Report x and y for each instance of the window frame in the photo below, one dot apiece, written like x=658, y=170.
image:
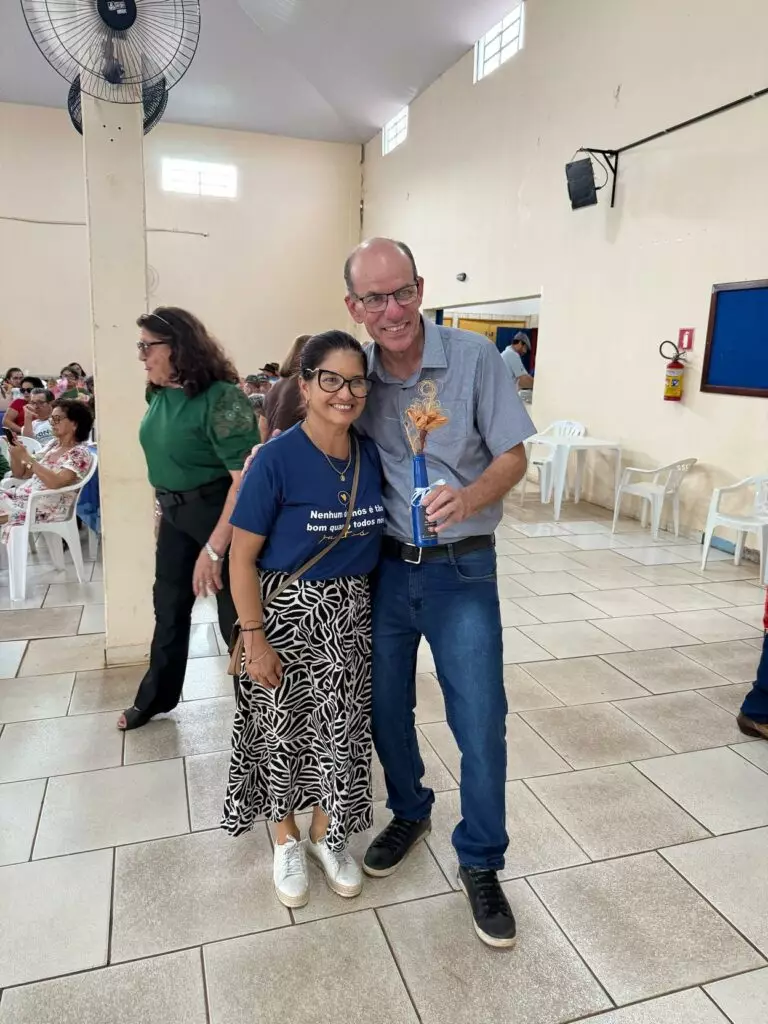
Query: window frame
x=395, y=131
x=503, y=42
x=204, y=178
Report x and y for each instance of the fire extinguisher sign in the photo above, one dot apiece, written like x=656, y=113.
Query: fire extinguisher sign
x=685, y=338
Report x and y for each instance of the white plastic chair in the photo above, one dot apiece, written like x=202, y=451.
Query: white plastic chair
x=543, y=458
x=757, y=522
x=664, y=483
x=53, y=532
x=33, y=446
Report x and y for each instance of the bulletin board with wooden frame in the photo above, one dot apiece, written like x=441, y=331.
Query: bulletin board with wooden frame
x=736, y=352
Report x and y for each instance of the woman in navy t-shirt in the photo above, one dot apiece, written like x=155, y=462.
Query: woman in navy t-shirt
x=302, y=727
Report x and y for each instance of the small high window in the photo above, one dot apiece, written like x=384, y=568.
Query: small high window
x=394, y=132
x=195, y=178
x=500, y=43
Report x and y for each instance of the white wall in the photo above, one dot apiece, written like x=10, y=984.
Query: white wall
x=269, y=268
x=511, y=308
x=479, y=187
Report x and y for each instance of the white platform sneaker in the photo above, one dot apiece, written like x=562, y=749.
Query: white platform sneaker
x=342, y=872
x=290, y=873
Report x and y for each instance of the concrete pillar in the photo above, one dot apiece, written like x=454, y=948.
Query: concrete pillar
x=114, y=181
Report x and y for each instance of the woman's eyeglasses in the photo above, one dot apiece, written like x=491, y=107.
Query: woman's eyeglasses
x=331, y=382
x=145, y=346
x=376, y=302
x=26, y=391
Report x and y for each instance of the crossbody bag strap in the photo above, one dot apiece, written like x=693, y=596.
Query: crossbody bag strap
x=340, y=536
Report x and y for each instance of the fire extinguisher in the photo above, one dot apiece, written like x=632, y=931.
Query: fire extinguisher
x=673, y=380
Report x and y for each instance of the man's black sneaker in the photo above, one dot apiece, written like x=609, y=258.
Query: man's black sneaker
x=389, y=848
x=491, y=913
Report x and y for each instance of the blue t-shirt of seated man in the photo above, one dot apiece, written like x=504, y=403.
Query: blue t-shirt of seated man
x=293, y=497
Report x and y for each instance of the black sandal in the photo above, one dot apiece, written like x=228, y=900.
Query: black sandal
x=134, y=719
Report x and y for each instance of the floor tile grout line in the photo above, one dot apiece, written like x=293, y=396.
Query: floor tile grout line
x=570, y=942
x=21, y=659
x=37, y=823
x=720, y=913
x=563, y=756
x=665, y=995
x=436, y=859
x=109, y=711
x=745, y=758
x=186, y=792
x=375, y=909
x=111, y=919
x=711, y=998
x=555, y=818
x=397, y=963
x=636, y=764
x=206, y=996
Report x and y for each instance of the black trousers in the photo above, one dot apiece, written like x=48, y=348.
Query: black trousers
x=184, y=530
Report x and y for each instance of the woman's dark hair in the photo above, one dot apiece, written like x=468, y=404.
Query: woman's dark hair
x=10, y=370
x=77, y=368
x=67, y=369
x=196, y=357
x=320, y=346
x=34, y=381
x=78, y=413
x=291, y=363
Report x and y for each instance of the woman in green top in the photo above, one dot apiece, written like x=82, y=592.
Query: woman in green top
x=196, y=433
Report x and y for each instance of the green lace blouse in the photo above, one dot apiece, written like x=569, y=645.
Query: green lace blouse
x=189, y=442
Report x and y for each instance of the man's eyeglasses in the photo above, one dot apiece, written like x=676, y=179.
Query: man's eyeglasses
x=376, y=302
x=145, y=346
x=331, y=382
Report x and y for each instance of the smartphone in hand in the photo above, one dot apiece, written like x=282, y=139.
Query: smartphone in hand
x=9, y=435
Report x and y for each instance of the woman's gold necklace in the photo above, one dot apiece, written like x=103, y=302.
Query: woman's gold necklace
x=343, y=472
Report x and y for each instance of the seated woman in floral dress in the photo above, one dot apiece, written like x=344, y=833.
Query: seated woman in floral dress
x=62, y=462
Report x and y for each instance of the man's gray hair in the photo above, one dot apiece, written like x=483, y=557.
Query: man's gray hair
x=49, y=395
x=522, y=338
x=401, y=246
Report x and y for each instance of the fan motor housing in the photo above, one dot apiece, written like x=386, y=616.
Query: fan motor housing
x=119, y=15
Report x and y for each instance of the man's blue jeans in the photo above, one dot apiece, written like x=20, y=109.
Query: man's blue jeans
x=454, y=604
x=755, y=704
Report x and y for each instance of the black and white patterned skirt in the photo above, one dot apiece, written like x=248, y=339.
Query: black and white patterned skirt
x=308, y=742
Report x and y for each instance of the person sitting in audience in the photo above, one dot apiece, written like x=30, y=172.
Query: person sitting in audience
x=257, y=384
x=15, y=413
x=62, y=462
x=71, y=383
x=37, y=416
x=272, y=371
x=9, y=383
x=284, y=404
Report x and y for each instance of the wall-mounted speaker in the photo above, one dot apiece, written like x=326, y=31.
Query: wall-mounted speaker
x=581, y=183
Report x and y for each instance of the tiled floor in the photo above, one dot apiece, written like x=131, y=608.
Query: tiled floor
x=637, y=813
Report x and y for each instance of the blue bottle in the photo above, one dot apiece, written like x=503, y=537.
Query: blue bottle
x=424, y=533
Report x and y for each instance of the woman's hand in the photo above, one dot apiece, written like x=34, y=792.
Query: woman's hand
x=206, y=579
x=251, y=457
x=263, y=664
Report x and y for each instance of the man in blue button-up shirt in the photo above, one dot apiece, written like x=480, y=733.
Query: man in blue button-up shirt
x=448, y=593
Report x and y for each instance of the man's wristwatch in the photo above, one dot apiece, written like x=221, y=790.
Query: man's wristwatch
x=214, y=557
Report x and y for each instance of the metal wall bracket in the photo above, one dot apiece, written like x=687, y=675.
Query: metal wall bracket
x=611, y=157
